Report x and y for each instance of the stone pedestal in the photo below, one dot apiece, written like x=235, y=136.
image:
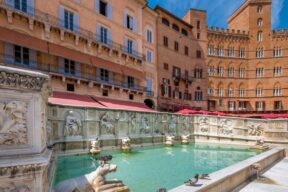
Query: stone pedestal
x=24, y=158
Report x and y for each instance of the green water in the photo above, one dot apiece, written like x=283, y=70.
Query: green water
x=148, y=169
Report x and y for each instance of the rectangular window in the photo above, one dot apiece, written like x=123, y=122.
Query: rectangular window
x=176, y=46
x=241, y=92
x=198, y=24
x=231, y=52
x=198, y=35
x=21, y=5
x=242, y=72
x=130, y=46
x=68, y=20
x=130, y=81
x=210, y=50
x=131, y=97
x=165, y=41
x=230, y=72
x=149, y=36
x=103, y=35
x=129, y=22
x=260, y=105
x=220, y=51
x=69, y=66
x=70, y=87
x=277, y=105
x=176, y=72
x=231, y=105
x=103, y=8
x=198, y=54
x=242, y=105
x=104, y=75
x=149, y=56
x=186, y=50
x=220, y=71
x=21, y=55
x=242, y=53
x=211, y=71
x=105, y=93
x=277, y=71
x=166, y=66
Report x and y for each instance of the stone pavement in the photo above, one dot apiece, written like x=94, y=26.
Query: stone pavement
x=273, y=180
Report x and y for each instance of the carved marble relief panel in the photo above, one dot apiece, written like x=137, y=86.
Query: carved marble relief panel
x=13, y=122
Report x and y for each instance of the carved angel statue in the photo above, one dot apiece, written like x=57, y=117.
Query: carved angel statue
x=73, y=125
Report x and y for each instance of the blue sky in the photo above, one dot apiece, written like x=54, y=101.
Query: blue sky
x=219, y=10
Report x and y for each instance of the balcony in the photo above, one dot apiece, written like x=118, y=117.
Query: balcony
x=188, y=79
x=51, y=21
x=75, y=75
x=176, y=77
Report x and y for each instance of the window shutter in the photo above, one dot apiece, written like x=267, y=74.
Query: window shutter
x=109, y=37
x=125, y=19
x=78, y=69
x=98, y=33
x=109, y=11
x=30, y=8
x=162, y=90
x=149, y=86
x=180, y=95
x=126, y=44
x=126, y=81
x=76, y=22
x=61, y=16
x=9, y=53
x=10, y=3
x=110, y=77
x=134, y=24
x=169, y=91
x=134, y=47
x=97, y=6
x=61, y=65
x=98, y=74
x=33, y=58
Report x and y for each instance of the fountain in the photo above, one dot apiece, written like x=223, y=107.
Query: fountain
x=185, y=139
x=169, y=140
x=260, y=145
x=95, y=149
x=126, y=144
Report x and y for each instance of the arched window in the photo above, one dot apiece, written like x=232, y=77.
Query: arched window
x=220, y=90
x=210, y=50
x=149, y=35
x=259, y=22
x=175, y=27
x=259, y=90
x=230, y=90
x=259, y=36
x=277, y=90
x=231, y=71
x=165, y=22
x=241, y=90
x=259, y=9
x=211, y=89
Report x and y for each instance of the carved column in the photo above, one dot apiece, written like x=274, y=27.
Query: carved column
x=24, y=157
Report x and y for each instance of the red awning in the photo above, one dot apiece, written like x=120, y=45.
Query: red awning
x=70, y=99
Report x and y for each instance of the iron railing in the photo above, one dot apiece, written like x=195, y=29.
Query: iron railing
x=9, y=60
x=77, y=30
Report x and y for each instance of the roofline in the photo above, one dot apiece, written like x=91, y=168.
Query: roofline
x=172, y=15
x=201, y=10
x=244, y=5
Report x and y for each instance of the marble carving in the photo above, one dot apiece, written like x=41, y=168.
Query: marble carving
x=13, y=123
x=73, y=125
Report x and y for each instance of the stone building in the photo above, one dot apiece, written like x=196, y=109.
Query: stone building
x=247, y=64
x=102, y=48
x=182, y=73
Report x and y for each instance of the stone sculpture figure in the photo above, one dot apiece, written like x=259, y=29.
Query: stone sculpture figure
x=126, y=144
x=106, y=123
x=186, y=125
x=225, y=127
x=172, y=125
x=13, y=128
x=94, y=181
x=204, y=124
x=73, y=125
x=255, y=130
x=144, y=127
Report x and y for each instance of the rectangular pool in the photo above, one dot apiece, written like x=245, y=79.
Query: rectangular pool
x=148, y=169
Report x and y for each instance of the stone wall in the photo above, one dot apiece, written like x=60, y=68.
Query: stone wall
x=23, y=156
x=73, y=128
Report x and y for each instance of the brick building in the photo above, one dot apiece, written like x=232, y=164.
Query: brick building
x=182, y=73
x=247, y=64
